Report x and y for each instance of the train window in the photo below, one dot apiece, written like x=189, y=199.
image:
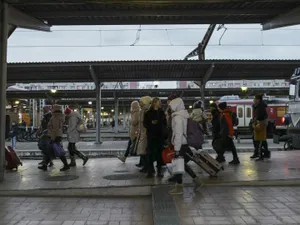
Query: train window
x=240, y=112
x=249, y=113
x=281, y=111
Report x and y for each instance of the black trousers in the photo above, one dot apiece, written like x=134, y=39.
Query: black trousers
x=73, y=151
x=155, y=147
x=226, y=145
x=183, y=152
x=261, y=148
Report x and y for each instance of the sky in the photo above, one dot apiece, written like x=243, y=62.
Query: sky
x=152, y=42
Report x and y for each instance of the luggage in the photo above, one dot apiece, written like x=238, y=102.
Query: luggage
x=206, y=162
x=195, y=134
x=12, y=159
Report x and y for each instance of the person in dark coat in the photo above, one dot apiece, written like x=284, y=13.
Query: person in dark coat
x=260, y=123
x=155, y=122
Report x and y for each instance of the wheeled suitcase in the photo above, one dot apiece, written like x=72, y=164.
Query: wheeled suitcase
x=12, y=159
x=206, y=162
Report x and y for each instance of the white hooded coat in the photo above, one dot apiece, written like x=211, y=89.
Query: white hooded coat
x=179, y=123
x=73, y=134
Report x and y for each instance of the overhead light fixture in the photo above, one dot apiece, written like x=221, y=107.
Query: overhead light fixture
x=120, y=113
x=190, y=106
x=112, y=110
x=17, y=102
x=53, y=91
x=244, y=88
x=211, y=102
x=90, y=103
x=102, y=107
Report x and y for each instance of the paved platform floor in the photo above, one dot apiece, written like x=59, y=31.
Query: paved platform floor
x=75, y=211
x=283, y=166
x=243, y=206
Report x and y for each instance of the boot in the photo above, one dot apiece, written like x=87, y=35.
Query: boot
x=85, y=159
x=51, y=164
x=254, y=156
x=159, y=174
x=65, y=162
x=73, y=161
x=234, y=162
x=178, y=190
x=43, y=167
x=42, y=162
x=122, y=158
x=198, y=182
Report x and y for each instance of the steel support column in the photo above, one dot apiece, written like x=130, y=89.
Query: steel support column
x=124, y=117
x=202, y=89
x=3, y=80
x=116, y=114
x=98, y=114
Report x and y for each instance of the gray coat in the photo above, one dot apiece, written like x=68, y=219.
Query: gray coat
x=73, y=134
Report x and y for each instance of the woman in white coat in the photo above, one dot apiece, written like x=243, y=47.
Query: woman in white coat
x=179, y=128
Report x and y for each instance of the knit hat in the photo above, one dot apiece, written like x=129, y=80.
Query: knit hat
x=172, y=97
x=197, y=105
x=222, y=105
x=68, y=111
x=56, y=108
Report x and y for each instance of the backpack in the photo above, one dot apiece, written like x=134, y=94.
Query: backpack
x=235, y=120
x=195, y=134
x=81, y=127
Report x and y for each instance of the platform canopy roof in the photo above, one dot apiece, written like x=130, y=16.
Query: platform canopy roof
x=117, y=12
x=167, y=70
x=138, y=93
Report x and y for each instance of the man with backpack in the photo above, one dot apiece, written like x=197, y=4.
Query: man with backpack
x=227, y=132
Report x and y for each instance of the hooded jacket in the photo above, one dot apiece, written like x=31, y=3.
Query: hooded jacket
x=198, y=115
x=260, y=111
x=142, y=132
x=179, y=123
x=55, y=125
x=135, y=113
x=73, y=134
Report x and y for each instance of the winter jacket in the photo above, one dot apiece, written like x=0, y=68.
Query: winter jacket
x=179, y=123
x=260, y=130
x=216, y=128
x=135, y=113
x=141, y=147
x=260, y=111
x=55, y=125
x=73, y=134
x=155, y=123
x=226, y=126
x=198, y=116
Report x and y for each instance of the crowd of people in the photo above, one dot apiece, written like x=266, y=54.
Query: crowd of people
x=53, y=125
x=153, y=129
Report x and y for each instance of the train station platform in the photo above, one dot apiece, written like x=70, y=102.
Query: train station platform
x=107, y=191
x=113, y=148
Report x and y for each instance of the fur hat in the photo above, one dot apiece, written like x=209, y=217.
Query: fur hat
x=56, y=108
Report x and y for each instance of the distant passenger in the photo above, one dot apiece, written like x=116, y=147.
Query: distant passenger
x=199, y=116
x=260, y=123
x=55, y=131
x=73, y=135
x=227, y=132
x=134, y=125
x=44, y=126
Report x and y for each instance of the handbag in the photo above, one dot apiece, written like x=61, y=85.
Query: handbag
x=81, y=127
x=168, y=154
x=58, y=150
x=178, y=166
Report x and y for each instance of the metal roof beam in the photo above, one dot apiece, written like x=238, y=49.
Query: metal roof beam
x=93, y=75
x=200, y=50
x=288, y=19
x=20, y=19
x=208, y=74
x=11, y=29
x=156, y=12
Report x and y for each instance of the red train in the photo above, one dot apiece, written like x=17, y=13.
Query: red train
x=277, y=108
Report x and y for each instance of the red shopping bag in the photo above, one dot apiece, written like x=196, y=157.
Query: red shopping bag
x=168, y=154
